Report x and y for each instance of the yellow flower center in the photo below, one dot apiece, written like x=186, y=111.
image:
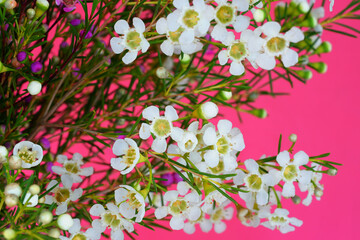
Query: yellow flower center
x=133, y=40
x=225, y=14
x=79, y=236
x=162, y=127
x=222, y=145
x=191, y=18
x=174, y=36
x=254, y=182
x=27, y=155
x=276, y=44
x=238, y=51
x=178, y=206
x=290, y=172
x=72, y=167
x=111, y=220
x=61, y=195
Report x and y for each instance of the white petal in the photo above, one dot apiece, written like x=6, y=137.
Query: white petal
x=229, y=38
x=283, y=158
x=112, y=207
x=150, y=113
x=67, y=181
x=219, y=227
x=211, y=158
x=159, y=145
x=144, y=45
x=121, y=26
x=239, y=178
x=177, y=223
x=252, y=166
x=120, y=147
x=271, y=28
x=193, y=197
x=286, y=228
x=87, y=171
x=288, y=190
x=199, y=4
x=289, y=58
x=172, y=20
x=116, y=45
x=170, y=113
x=161, y=212
x=230, y=163
x=76, y=194
x=193, y=127
x=75, y=227
x=301, y=158
x=62, y=208
x=194, y=213
x=183, y=188
x=224, y=126
x=243, y=5
x=179, y=4
x=210, y=136
x=189, y=228
x=129, y=57
x=118, y=164
x=161, y=26
x=139, y=25
x=167, y=48
x=219, y=33
x=296, y=222
x=58, y=170
x=97, y=225
x=97, y=210
x=126, y=210
x=117, y=234
x=266, y=61
x=241, y=23
x=262, y=197
x=187, y=37
x=206, y=225
x=236, y=68
x=294, y=35
x=237, y=140
x=121, y=194
x=223, y=57
x=144, y=131
x=272, y=178
x=51, y=184
x=170, y=195
x=305, y=177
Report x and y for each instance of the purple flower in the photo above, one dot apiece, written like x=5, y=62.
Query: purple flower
x=169, y=177
x=36, y=67
x=21, y=56
x=75, y=22
x=45, y=142
x=64, y=45
x=177, y=178
x=68, y=5
x=88, y=34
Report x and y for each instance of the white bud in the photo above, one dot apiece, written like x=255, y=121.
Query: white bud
x=65, y=221
x=185, y=58
x=55, y=233
x=318, y=192
x=9, y=233
x=15, y=162
x=10, y=4
x=161, y=72
x=3, y=154
x=13, y=188
x=225, y=95
x=293, y=138
x=42, y=200
x=296, y=199
x=332, y=172
x=304, y=7
x=34, y=87
x=207, y=110
x=259, y=15
x=11, y=200
x=30, y=13
x=34, y=189
x=45, y=217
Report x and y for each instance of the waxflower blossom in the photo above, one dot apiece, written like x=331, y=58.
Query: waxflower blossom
x=128, y=153
x=30, y=154
x=132, y=39
x=76, y=233
x=313, y=185
x=131, y=203
x=218, y=214
x=280, y=220
x=161, y=127
x=71, y=170
x=68, y=5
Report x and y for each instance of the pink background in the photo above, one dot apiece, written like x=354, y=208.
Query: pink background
x=324, y=114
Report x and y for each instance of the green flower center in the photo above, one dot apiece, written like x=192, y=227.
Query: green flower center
x=191, y=18
x=133, y=40
x=225, y=14
x=189, y=144
x=133, y=201
x=111, y=220
x=174, y=36
x=178, y=206
x=238, y=51
x=218, y=169
x=79, y=236
x=72, y=167
x=276, y=44
x=61, y=195
x=254, y=182
x=290, y=172
x=27, y=155
x=130, y=156
x=278, y=220
x=162, y=127
x=222, y=145
x=217, y=215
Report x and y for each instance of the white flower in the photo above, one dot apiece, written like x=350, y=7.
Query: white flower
x=181, y=207
x=315, y=183
x=161, y=127
x=131, y=203
x=225, y=144
x=110, y=218
x=187, y=140
x=277, y=44
x=245, y=4
x=71, y=170
x=129, y=154
x=215, y=197
x=239, y=50
x=3, y=154
x=280, y=220
x=218, y=214
x=31, y=154
x=256, y=183
x=77, y=234
x=291, y=172
x=31, y=200
x=225, y=15
x=195, y=20
x=205, y=225
x=62, y=196
x=172, y=44
x=132, y=39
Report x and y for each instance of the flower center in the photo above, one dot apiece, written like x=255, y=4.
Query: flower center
x=290, y=172
x=79, y=236
x=61, y=195
x=276, y=44
x=222, y=145
x=217, y=215
x=162, y=127
x=27, y=155
x=191, y=18
x=133, y=201
x=133, y=40
x=111, y=220
x=225, y=14
x=174, y=36
x=130, y=156
x=178, y=206
x=218, y=169
x=238, y=51
x=254, y=182
x=278, y=220
x=72, y=167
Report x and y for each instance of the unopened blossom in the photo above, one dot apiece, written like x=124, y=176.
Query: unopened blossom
x=62, y=195
x=277, y=44
x=280, y=220
x=131, y=203
x=77, y=234
x=30, y=153
x=72, y=170
x=182, y=205
x=291, y=172
x=194, y=20
x=132, y=39
x=160, y=126
x=109, y=218
x=128, y=153
x=68, y=5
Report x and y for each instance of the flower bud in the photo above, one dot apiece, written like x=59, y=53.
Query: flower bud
x=9, y=233
x=11, y=200
x=309, y=22
x=206, y=111
x=3, y=154
x=21, y=57
x=320, y=67
x=325, y=47
x=10, y=4
x=45, y=217
x=185, y=58
x=260, y=113
x=41, y=7
x=331, y=172
x=13, y=188
x=65, y=221
x=259, y=15
x=305, y=74
x=161, y=72
x=293, y=138
x=303, y=7
x=225, y=95
x=56, y=60
x=75, y=22
x=296, y=199
x=34, y=87
x=42, y=200
x=36, y=67
x=303, y=60
x=55, y=233
x=253, y=96
x=15, y=162
x=318, y=192
x=30, y=13
x=34, y=189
